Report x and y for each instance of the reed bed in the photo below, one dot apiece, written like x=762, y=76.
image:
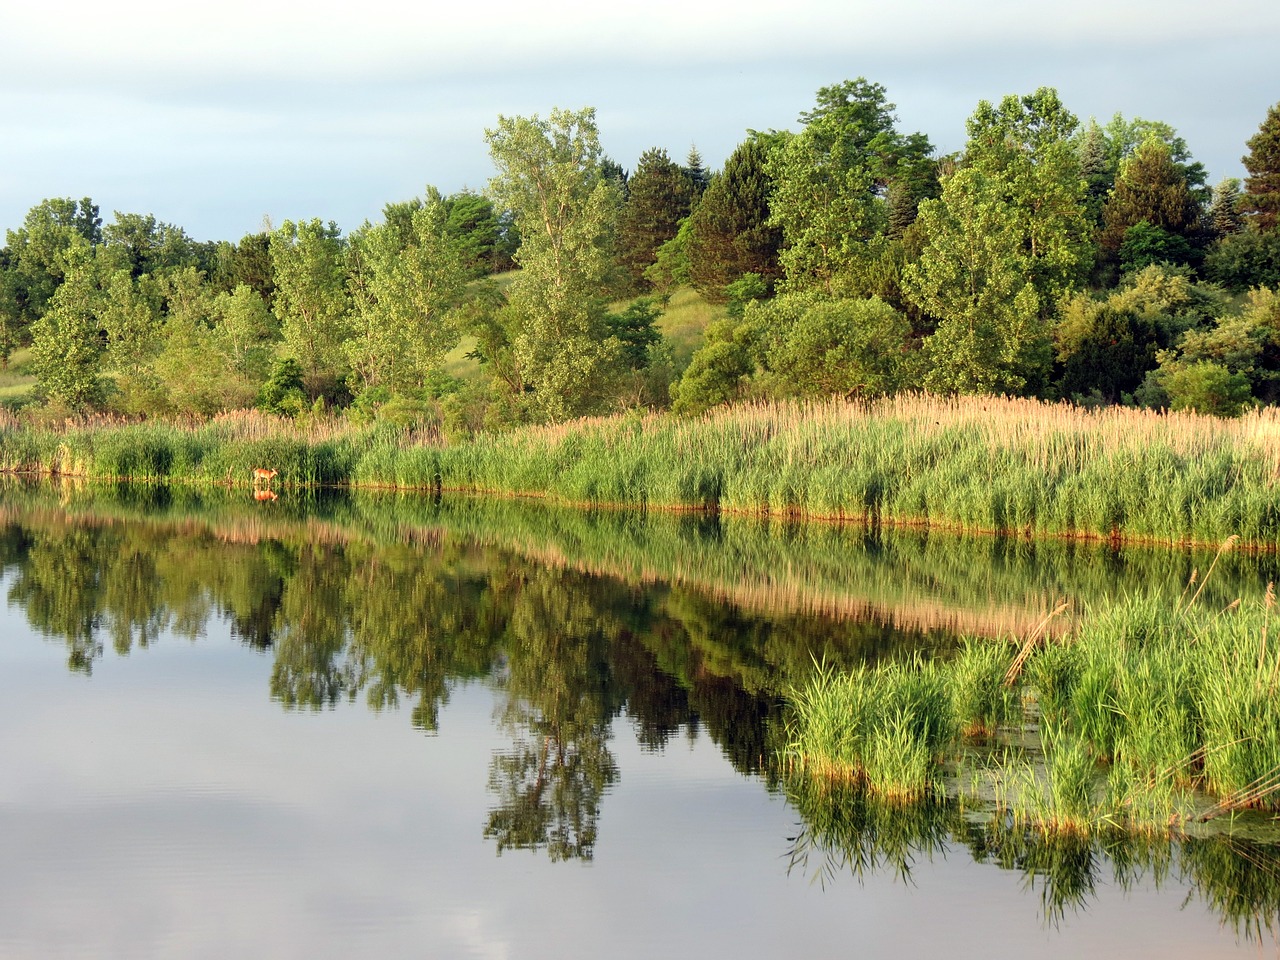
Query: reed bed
x=1154, y=712
x=973, y=464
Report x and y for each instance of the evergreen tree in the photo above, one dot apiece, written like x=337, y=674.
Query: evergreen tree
x=699, y=176
x=659, y=198
x=1096, y=169
x=730, y=233
x=1261, y=201
x=1224, y=212
x=1151, y=189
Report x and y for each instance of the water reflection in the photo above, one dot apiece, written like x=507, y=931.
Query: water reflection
x=846, y=832
x=583, y=621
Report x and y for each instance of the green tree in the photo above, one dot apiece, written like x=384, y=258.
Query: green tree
x=482, y=236
x=857, y=348
x=309, y=270
x=1124, y=137
x=1224, y=213
x=660, y=195
x=245, y=331
x=1004, y=243
x=132, y=317
x=731, y=232
x=831, y=180
x=1261, y=202
x=67, y=345
x=699, y=177
x=549, y=176
x=141, y=244
x=405, y=280
x=1150, y=189
x=284, y=392
x=1245, y=259
x=37, y=249
x=1095, y=167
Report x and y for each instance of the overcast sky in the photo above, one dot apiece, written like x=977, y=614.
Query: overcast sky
x=214, y=115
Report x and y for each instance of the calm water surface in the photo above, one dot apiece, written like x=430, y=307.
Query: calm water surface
x=347, y=729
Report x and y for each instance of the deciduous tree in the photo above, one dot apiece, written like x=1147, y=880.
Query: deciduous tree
x=1004, y=243
x=549, y=176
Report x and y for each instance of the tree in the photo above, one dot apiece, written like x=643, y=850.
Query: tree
x=481, y=235
x=132, y=317
x=309, y=269
x=1245, y=259
x=850, y=347
x=1149, y=189
x=698, y=176
x=66, y=346
x=405, y=279
x=37, y=249
x=831, y=180
x=1261, y=203
x=141, y=244
x=1095, y=167
x=1124, y=137
x=245, y=331
x=659, y=197
x=1224, y=212
x=730, y=232
x=1004, y=243
x=549, y=177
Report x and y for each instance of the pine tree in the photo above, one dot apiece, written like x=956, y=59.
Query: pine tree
x=1262, y=187
x=698, y=175
x=1150, y=188
x=1095, y=166
x=659, y=197
x=729, y=232
x=1224, y=212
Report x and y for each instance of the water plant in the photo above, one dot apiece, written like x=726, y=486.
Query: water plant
x=974, y=464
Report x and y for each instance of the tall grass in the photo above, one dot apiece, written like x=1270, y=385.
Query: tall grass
x=1012, y=466
x=1154, y=711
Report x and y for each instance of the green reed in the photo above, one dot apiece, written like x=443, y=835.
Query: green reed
x=1153, y=712
x=979, y=464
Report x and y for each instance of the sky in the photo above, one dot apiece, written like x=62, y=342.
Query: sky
x=216, y=116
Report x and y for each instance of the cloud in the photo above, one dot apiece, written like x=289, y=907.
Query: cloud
x=213, y=115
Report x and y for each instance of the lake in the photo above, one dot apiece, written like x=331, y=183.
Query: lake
x=379, y=725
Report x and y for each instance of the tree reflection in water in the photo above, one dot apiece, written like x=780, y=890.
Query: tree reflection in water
x=846, y=831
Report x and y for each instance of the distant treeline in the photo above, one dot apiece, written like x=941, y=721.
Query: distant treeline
x=1050, y=258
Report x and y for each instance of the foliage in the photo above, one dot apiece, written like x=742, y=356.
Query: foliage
x=308, y=264
x=829, y=182
x=1150, y=190
x=66, y=346
x=1245, y=259
x=855, y=348
x=284, y=392
x=730, y=233
x=659, y=197
x=1261, y=200
x=1006, y=240
x=405, y=279
x=549, y=176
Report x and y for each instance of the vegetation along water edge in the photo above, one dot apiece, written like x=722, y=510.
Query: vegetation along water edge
x=976, y=464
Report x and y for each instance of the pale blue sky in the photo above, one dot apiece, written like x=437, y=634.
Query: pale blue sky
x=214, y=115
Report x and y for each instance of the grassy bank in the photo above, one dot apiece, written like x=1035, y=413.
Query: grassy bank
x=972, y=464
x=1154, y=712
